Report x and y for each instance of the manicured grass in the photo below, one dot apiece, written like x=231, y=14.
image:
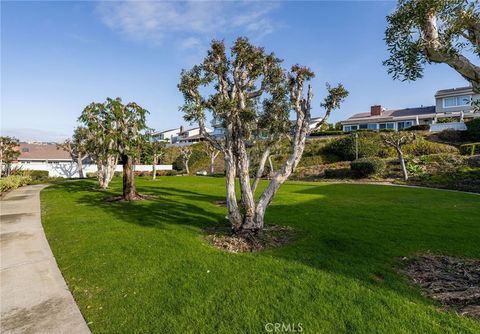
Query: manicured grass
x=144, y=267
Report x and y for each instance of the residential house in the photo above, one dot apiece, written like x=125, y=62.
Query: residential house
x=450, y=103
x=168, y=136
x=191, y=136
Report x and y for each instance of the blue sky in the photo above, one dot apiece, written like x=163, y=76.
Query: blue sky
x=57, y=57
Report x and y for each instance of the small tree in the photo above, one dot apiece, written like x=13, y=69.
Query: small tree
x=252, y=98
x=155, y=150
x=433, y=31
x=397, y=140
x=212, y=152
x=122, y=130
x=77, y=147
x=8, y=152
x=185, y=154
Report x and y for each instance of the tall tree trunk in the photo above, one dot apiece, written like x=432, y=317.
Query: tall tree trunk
x=234, y=215
x=261, y=167
x=129, y=189
x=80, y=166
x=154, y=168
x=247, y=199
x=1, y=168
x=270, y=164
x=402, y=164
x=185, y=163
x=212, y=164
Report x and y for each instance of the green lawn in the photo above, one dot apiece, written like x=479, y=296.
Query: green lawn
x=144, y=267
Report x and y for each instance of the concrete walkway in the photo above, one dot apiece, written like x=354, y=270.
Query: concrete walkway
x=34, y=295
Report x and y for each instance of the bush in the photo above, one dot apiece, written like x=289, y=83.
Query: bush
x=38, y=175
x=450, y=135
x=365, y=167
x=369, y=145
x=171, y=172
x=13, y=181
x=327, y=133
x=421, y=127
x=474, y=161
x=473, y=129
x=424, y=147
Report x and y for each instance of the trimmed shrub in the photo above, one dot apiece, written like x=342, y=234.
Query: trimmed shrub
x=424, y=147
x=450, y=135
x=365, y=167
x=38, y=175
x=171, y=172
x=473, y=129
x=369, y=145
x=326, y=133
x=13, y=181
x=421, y=127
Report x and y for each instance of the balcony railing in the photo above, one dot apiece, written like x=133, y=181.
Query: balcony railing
x=460, y=126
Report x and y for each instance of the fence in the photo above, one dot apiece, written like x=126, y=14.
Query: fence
x=70, y=169
x=437, y=127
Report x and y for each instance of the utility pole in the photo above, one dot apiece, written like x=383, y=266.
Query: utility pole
x=356, y=146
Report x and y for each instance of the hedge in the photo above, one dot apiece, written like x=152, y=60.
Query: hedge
x=473, y=129
x=365, y=167
x=13, y=182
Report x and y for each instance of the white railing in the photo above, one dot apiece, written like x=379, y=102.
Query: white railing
x=70, y=169
x=460, y=126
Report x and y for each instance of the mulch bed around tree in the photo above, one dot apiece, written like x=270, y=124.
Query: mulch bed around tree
x=272, y=236
x=454, y=282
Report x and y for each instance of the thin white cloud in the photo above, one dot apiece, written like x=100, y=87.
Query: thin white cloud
x=156, y=22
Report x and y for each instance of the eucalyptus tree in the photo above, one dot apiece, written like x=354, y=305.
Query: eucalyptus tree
x=397, y=140
x=212, y=152
x=252, y=97
x=185, y=154
x=434, y=31
x=9, y=151
x=77, y=147
x=155, y=149
x=120, y=130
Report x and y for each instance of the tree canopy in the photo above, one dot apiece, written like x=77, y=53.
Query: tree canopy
x=434, y=31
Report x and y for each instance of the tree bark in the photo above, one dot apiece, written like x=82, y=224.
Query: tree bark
x=234, y=215
x=436, y=52
x=185, y=163
x=129, y=189
x=154, y=168
x=80, y=166
x=261, y=168
x=402, y=164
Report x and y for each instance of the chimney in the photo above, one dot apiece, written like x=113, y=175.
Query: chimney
x=376, y=110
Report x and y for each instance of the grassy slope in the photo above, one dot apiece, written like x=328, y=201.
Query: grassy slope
x=144, y=267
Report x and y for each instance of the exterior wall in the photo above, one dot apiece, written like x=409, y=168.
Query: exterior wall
x=376, y=125
x=70, y=169
x=439, y=102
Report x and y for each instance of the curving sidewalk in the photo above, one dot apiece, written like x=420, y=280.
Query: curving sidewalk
x=34, y=297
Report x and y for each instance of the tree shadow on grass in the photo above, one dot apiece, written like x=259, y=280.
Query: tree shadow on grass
x=357, y=231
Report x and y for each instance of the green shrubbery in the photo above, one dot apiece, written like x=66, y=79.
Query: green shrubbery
x=365, y=167
x=421, y=127
x=369, y=145
x=14, y=181
x=470, y=149
x=424, y=147
x=473, y=129
x=327, y=133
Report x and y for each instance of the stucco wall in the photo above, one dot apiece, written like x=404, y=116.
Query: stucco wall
x=70, y=169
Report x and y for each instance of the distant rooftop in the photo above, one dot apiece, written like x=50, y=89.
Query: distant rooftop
x=419, y=111
x=453, y=90
x=42, y=152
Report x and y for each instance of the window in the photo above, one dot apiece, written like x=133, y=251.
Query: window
x=383, y=126
x=456, y=101
x=372, y=126
x=363, y=126
x=404, y=125
x=25, y=149
x=349, y=128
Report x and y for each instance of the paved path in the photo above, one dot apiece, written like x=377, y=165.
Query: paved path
x=34, y=296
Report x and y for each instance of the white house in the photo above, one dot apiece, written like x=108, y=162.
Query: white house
x=450, y=103
x=58, y=163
